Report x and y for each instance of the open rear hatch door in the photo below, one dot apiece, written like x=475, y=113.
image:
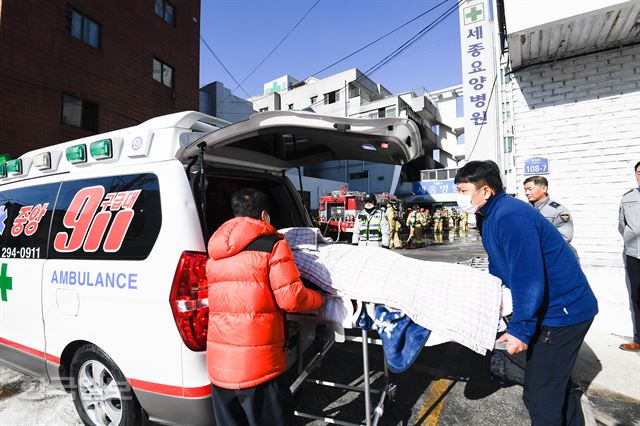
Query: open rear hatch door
x=280, y=140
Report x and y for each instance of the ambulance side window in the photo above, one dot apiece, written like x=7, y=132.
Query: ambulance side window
x=25, y=215
x=110, y=218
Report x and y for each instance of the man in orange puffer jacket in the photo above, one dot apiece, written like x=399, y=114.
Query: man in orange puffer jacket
x=253, y=280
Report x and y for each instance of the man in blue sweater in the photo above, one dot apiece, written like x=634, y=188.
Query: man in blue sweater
x=553, y=305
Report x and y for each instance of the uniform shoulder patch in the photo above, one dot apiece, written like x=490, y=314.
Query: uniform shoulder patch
x=565, y=217
x=554, y=204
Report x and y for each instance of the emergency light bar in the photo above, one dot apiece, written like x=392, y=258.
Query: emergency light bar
x=76, y=154
x=14, y=167
x=101, y=149
x=42, y=161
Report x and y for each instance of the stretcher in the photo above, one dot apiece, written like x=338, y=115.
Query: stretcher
x=386, y=392
x=375, y=398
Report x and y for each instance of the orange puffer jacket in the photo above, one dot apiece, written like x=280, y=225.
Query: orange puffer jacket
x=252, y=281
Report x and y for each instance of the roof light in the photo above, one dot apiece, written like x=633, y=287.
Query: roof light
x=14, y=167
x=3, y=170
x=368, y=147
x=42, y=161
x=77, y=154
x=101, y=149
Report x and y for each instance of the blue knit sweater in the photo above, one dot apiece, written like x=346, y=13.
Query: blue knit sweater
x=530, y=256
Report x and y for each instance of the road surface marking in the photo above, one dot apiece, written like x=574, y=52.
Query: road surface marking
x=430, y=410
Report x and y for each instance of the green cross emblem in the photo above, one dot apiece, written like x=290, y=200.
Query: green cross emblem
x=474, y=14
x=275, y=87
x=5, y=282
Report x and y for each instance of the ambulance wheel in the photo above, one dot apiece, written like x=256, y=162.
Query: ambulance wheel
x=101, y=394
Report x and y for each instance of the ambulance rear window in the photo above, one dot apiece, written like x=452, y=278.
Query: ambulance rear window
x=111, y=218
x=25, y=215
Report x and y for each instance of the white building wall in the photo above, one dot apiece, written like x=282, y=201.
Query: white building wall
x=583, y=114
x=316, y=187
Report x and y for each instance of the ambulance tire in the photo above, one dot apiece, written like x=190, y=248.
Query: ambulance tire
x=107, y=398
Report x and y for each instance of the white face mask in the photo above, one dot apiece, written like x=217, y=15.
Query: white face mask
x=464, y=202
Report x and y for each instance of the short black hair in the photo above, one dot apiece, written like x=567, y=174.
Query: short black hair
x=537, y=180
x=249, y=202
x=636, y=166
x=480, y=173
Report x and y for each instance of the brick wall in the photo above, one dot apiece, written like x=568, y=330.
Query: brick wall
x=40, y=60
x=583, y=114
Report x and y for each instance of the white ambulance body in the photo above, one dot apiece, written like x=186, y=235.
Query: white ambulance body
x=103, y=247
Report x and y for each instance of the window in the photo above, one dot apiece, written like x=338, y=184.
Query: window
x=508, y=144
x=166, y=11
x=382, y=113
x=26, y=216
x=331, y=97
x=162, y=73
x=391, y=112
x=441, y=174
x=290, y=106
x=79, y=113
x=128, y=207
x=83, y=28
x=263, y=109
x=313, y=99
x=360, y=175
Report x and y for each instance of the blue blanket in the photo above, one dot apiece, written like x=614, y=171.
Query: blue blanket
x=402, y=339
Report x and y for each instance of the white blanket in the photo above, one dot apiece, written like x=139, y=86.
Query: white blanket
x=455, y=301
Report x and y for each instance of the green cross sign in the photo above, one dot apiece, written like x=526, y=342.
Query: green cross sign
x=5, y=282
x=275, y=87
x=474, y=14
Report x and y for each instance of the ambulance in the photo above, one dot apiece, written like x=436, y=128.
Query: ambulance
x=103, y=248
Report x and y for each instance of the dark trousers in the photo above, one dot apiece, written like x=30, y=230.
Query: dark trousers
x=633, y=272
x=268, y=404
x=548, y=390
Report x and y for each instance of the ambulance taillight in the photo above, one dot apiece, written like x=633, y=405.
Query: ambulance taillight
x=189, y=299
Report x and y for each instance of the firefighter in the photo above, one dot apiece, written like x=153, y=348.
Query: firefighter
x=393, y=217
x=455, y=217
x=445, y=220
x=421, y=226
x=427, y=218
x=371, y=227
x=464, y=220
x=437, y=222
x=412, y=221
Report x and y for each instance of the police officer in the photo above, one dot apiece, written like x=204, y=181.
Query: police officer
x=371, y=227
x=629, y=227
x=535, y=188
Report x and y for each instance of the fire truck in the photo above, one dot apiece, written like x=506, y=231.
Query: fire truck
x=338, y=211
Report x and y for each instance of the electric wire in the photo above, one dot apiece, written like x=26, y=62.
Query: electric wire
x=271, y=52
x=222, y=65
x=378, y=39
x=404, y=46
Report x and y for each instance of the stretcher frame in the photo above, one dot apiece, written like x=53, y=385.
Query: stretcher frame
x=387, y=391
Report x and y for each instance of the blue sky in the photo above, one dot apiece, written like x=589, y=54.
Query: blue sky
x=242, y=32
